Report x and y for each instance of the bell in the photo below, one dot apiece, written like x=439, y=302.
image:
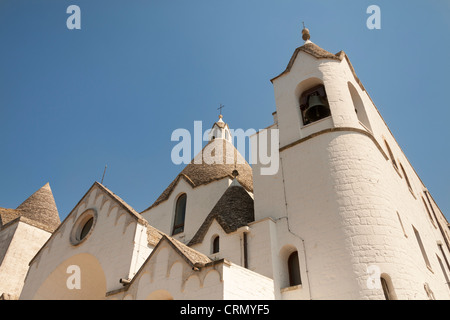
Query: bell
x=316, y=109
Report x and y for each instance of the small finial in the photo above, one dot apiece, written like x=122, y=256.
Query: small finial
x=235, y=173
x=305, y=33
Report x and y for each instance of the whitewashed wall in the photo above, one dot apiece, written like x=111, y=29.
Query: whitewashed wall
x=341, y=195
x=167, y=276
x=19, y=242
x=199, y=203
x=104, y=257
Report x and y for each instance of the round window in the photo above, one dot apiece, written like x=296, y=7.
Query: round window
x=86, y=228
x=83, y=227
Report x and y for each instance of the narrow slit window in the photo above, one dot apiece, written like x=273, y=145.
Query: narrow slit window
x=391, y=155
x=294, y=270
x=447, y=280
x=406, y=177
x=359, y=107
x=401, y=224
x=180, y=213
x=443, y=254
x=422, y=248
x=428, y=211
x=216, y=245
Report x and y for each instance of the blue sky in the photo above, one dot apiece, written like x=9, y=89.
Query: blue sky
x=73, y=101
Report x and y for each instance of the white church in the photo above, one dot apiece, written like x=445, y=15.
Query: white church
x=344, y=217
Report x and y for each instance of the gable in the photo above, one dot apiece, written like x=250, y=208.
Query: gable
x=313, y=50
x=114, y=239
x=103, y=202
x=191, y=257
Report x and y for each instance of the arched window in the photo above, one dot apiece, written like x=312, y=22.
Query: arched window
x=314, y=104
x=391, y=155
x=215, y=245
x=359, y=107
x=294, y=269
x=387, y=288
x=401, y=224
x=180, y=212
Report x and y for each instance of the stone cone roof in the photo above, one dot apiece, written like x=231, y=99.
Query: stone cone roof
x=203, y=170
x=8, y=215
x=41, y=207
x=234, y=209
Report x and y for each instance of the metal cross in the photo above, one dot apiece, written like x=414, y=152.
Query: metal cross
x=220, y=108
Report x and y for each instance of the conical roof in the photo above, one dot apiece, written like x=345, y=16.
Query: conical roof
x=41, y=207
x=218, y=159
x=234, y=209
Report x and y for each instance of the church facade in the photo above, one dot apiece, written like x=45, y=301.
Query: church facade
x=345, y=216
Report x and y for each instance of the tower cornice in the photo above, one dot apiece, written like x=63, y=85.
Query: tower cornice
x=338, y=129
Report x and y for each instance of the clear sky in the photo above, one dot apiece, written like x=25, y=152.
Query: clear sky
x=112, y=93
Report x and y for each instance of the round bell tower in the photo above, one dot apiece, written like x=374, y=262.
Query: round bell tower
x=337, y=199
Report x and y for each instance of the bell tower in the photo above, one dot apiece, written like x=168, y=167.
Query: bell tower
x=319, y=90
x=338, y=197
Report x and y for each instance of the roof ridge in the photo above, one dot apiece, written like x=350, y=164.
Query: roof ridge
x=154, y=235
x=318, y=52
x=194, y=257
x=314, y=50
x=120, y=200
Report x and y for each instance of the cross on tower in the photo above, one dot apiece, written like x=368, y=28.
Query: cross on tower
x=220, y=108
